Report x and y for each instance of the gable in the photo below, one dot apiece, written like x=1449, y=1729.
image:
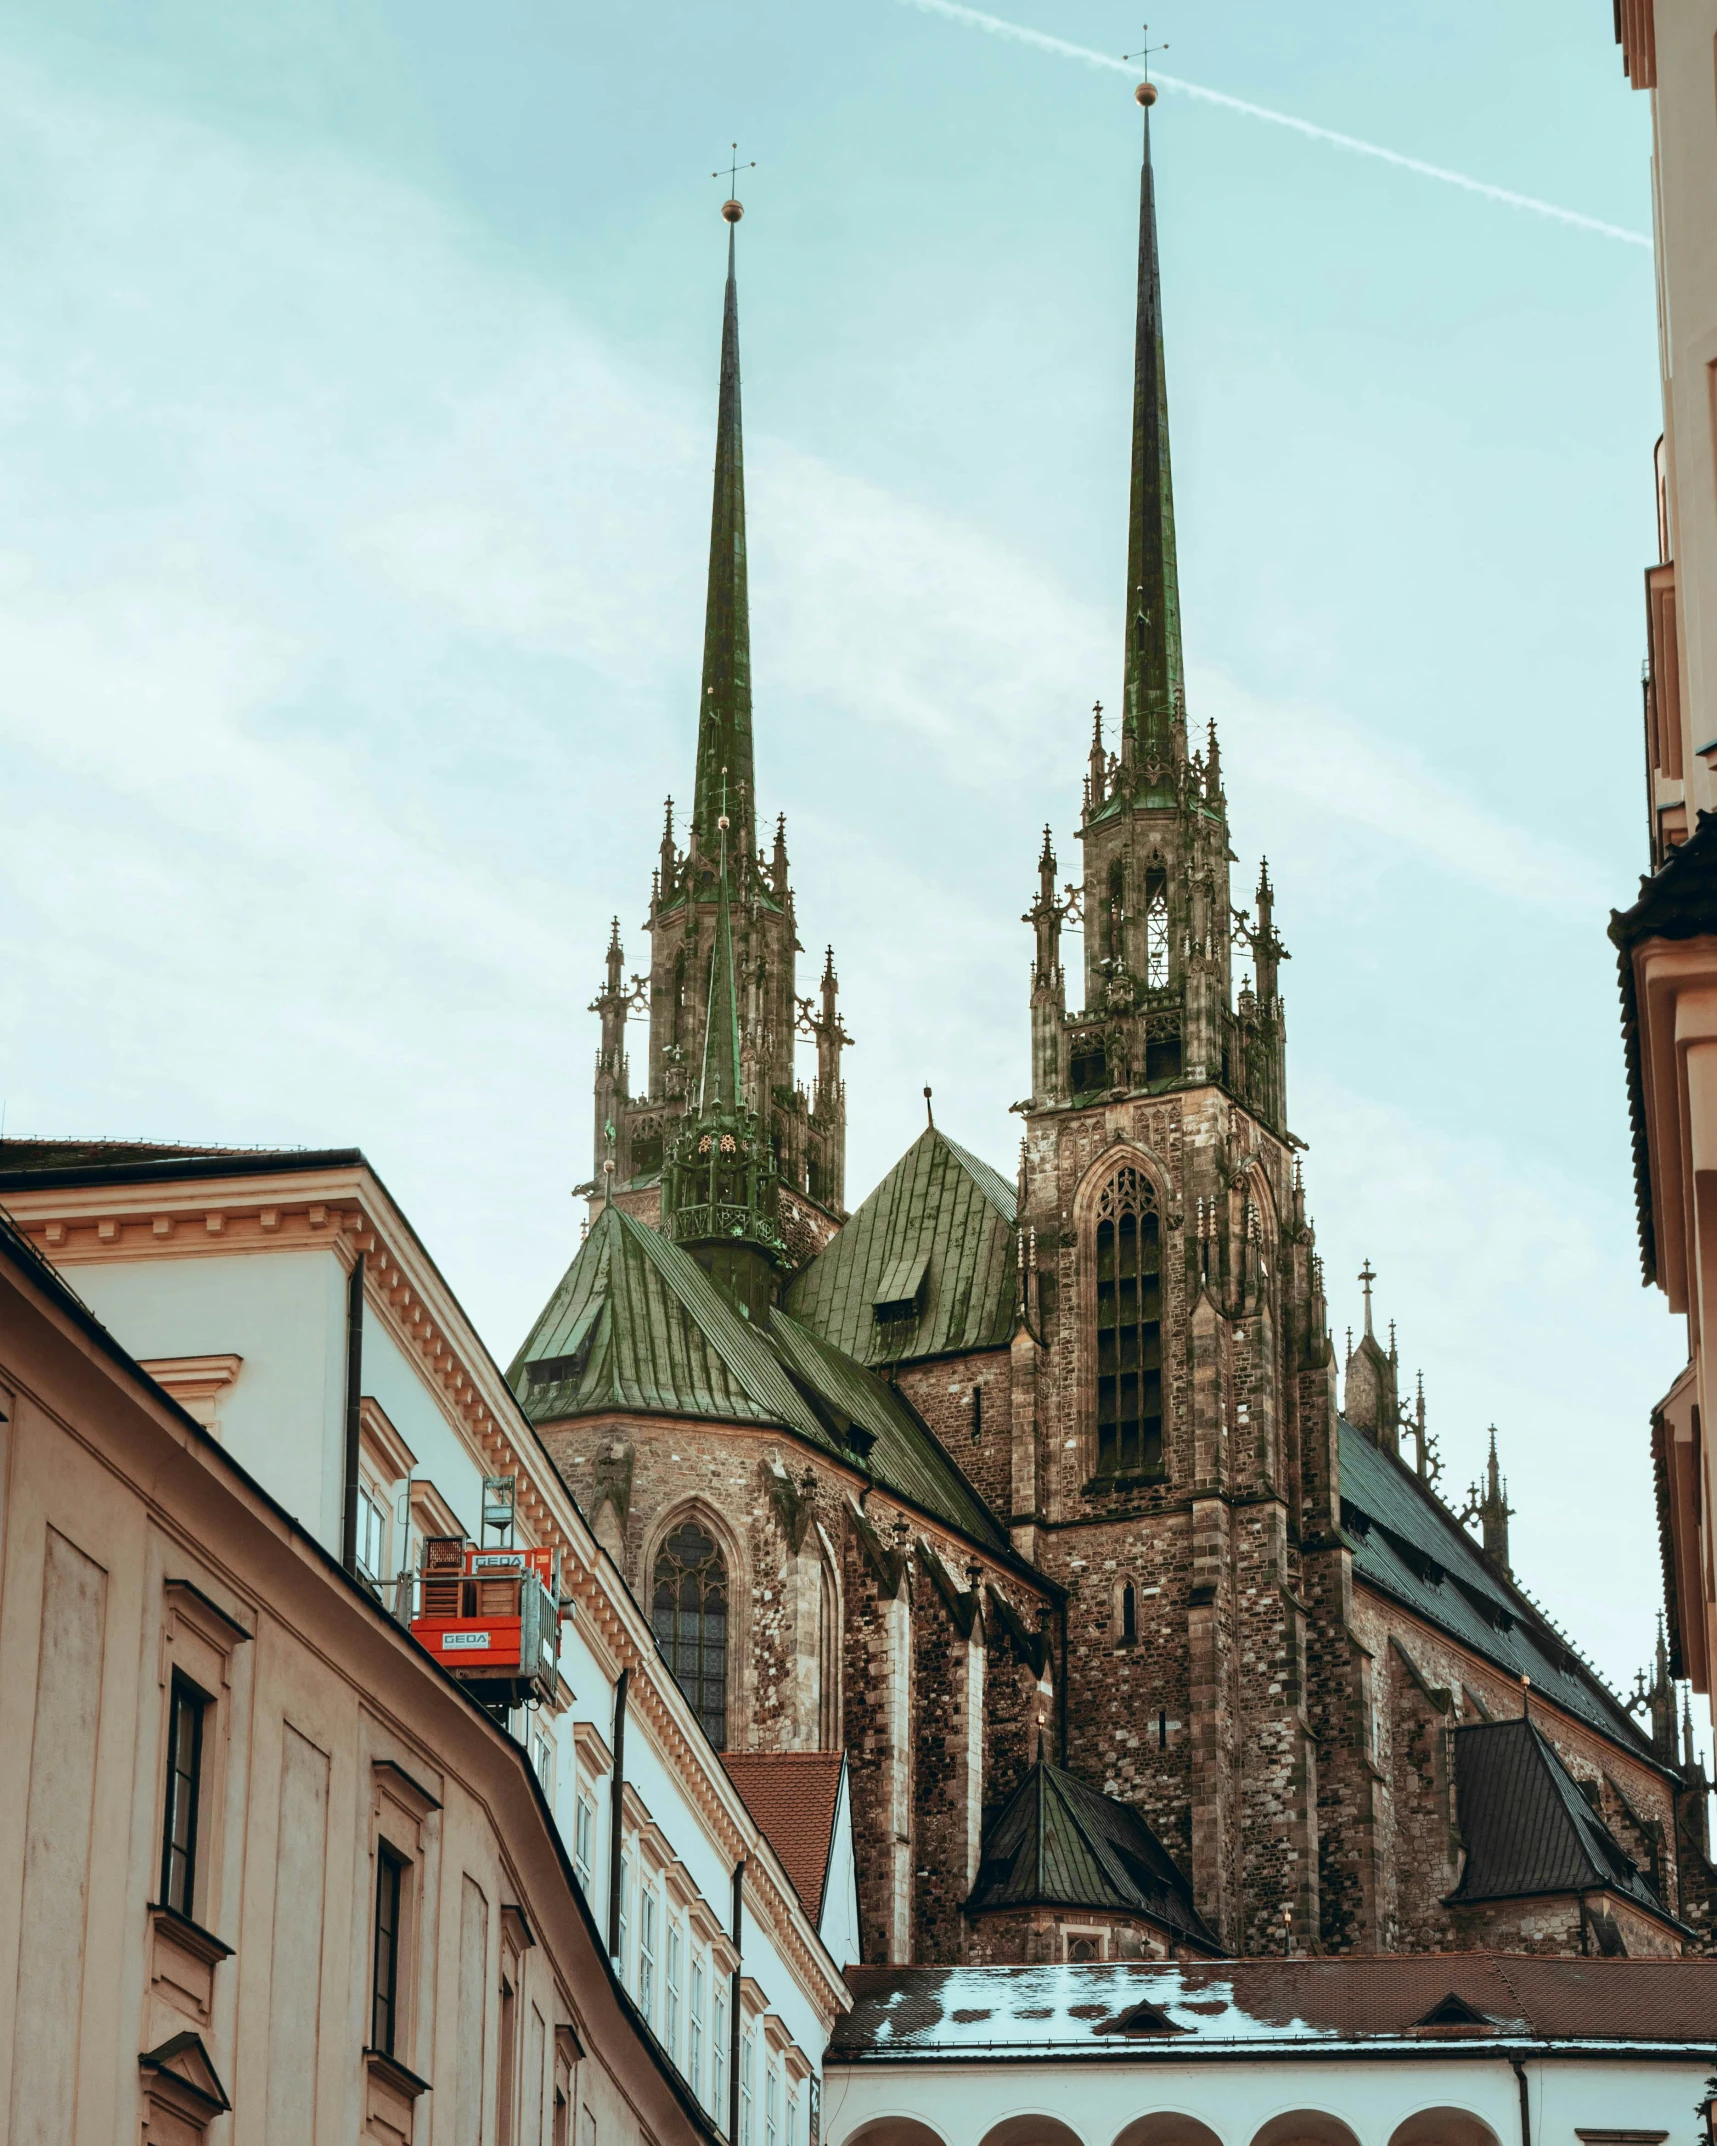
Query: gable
x=924, y=1267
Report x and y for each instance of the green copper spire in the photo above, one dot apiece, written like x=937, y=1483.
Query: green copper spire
x=724, y=708
x=1155, y=683
x=718, y=1090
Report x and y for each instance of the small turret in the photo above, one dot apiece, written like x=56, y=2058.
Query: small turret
x=1488, y=1505
x=612, y=1004
x=1370, y=1399
x=720, y=1191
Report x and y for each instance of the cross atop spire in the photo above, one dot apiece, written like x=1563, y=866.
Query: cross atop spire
x=724, y=704
x=1367, y=1275
x=1155, y=686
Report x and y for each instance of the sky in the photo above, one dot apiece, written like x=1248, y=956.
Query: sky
x=357, y=382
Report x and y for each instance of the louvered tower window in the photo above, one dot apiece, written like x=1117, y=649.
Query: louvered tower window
x=1156, y=929
x=689, y=1612
x=1129, y=1329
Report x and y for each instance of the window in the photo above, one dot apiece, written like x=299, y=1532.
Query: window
x=694, y=2032
x=718, y=2058
x=1090, y=1068
x=747, y=2080
x=372, y=1533
x=583, y=1841
x=1129, y=1614
x=384, y=1985
x=542, y=1758
x=647, y=1954
x=793, y=2114
x=689, y=1613
x=771, y=2106
x=671, y=1996
x=977, y=1414
x=1129, y=1329
x=186, y=1707
x=1156, y=929
x=624, y=1956
x=1084, y=1945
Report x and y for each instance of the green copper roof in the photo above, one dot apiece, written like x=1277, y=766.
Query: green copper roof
x=1057, y=1842
x=941, y=1215
x=1154, y=674
x=724, y=703
x=637, y=1324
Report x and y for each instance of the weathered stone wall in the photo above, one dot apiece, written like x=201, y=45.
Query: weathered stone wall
x=940, y=1710
x=1041, y=1936
x=942, y=1394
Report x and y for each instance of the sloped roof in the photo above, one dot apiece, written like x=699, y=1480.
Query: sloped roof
x=793, y=1795
x=637, y=1324
x=1409, y=1545
x=941, y=1204
x=1071, y=2013
x=1057, y=1842
x=1526, y=1826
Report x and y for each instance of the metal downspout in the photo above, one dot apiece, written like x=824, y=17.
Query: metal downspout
x=354, y=1415
x=1525, y=2101
x=615, y=1819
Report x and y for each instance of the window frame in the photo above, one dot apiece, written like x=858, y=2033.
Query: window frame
x=710, y=1695
x=394, y=1866
x=1125, y=1399
x=185, y=1699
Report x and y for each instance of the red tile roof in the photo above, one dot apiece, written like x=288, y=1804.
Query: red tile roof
x=1060, y=2012
x=792, y=1795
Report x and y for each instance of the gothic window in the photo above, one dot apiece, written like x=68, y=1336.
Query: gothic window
x=1115, y=912
x=1156, y=928
x=828, y=1659
x=1090, y=1069
x=1129, y=1614
x=677, y=999
x=689, y=1612
x=1129, y=1328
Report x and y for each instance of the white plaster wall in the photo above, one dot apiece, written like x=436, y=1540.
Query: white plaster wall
x=962, y=2102
x=840, y=1925
x=285, y=1314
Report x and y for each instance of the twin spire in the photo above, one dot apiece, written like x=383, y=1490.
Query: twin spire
x=1154, y=704
x=724, y=707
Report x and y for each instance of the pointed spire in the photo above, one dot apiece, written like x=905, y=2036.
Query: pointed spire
x=719, y=1086
x=724, y=707
x=1155, y=687
x=1367, y=1275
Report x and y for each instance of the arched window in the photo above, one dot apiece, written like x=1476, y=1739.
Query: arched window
x=828, y=1659
x=689, y=1611
x=1129, y=1312
x=1156, y=929
x=1129, y=1614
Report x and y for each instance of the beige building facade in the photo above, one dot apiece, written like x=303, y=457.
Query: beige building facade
x=266, y=1871
x=1667, y=941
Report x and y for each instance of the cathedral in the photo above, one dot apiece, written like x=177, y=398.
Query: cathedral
x=1045, y=1495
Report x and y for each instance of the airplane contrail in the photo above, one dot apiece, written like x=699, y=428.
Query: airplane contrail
x=975, y=19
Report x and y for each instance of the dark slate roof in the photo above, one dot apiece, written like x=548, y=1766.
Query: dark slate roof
x=1526, y=1827
x=637, y=1324
x=1407, y=1544
x=1102, y=2013
x=26, y=1164
x=1677, y=901
x=1057, y=1842
x=941, y=1204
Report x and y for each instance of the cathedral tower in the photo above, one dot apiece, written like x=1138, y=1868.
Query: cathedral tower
x=722, y=873
x=1183, y=1445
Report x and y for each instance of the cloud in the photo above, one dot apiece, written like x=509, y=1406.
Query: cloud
x=350, y=595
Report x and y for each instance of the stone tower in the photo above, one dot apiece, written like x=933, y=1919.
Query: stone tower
x=1177, y=1463
x=805, y=1129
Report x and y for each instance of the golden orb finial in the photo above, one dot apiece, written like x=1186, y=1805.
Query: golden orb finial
x=1146, y=93
x=732, y=211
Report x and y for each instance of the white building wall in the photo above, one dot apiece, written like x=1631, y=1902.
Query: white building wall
x=1093, y=2104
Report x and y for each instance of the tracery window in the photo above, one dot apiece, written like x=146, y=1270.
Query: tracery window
x=1129, y=1328
x=689, y=1613
x=1156, y=929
